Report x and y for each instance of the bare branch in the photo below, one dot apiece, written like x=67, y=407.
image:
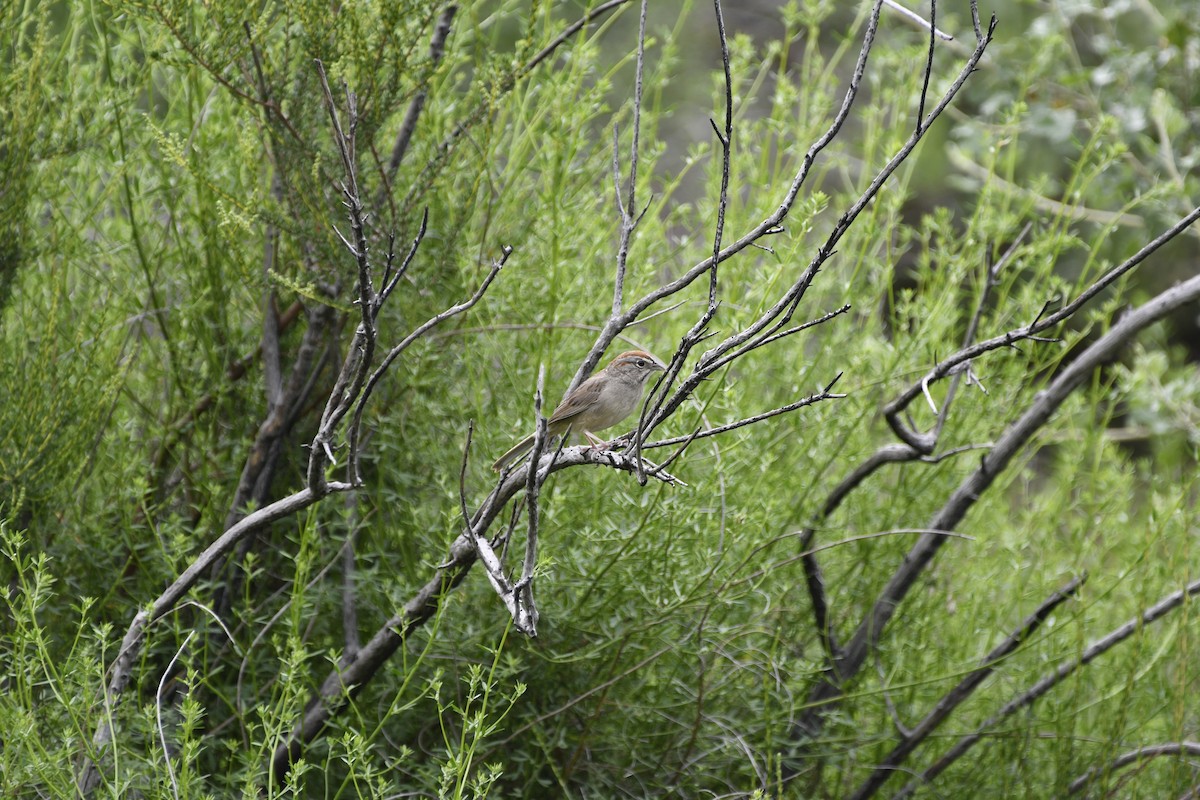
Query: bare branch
x=390, y=281
x=1014, y=438
x=1064, y=670
x=437, y=319
x=824, y=394
x=917, y=18
x=1041, y=322
x=965, y=688
x=1134, y=757
x=928, y=61
x=628, y=222
x=528, y=614
x=361, y=353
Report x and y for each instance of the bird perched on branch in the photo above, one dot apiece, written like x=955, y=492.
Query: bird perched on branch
x=600, y=402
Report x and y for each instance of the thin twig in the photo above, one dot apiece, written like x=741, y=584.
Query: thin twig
x=528, y=610
x=369, y=385
x=824, y=394
x=698, y=332
x=917, y=18
x=928, y=61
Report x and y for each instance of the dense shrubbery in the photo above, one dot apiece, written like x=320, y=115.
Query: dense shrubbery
x=169, y=190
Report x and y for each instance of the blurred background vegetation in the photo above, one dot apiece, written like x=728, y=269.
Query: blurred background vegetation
x=151, y=153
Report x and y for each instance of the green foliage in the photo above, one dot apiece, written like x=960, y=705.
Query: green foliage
x=154, y=152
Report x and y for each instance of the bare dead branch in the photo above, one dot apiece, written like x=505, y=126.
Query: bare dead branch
x=1014, y=438
x=773, y=337
x=1041, y=323
x=1137, y=756
x=825, y=394
x=915, y=17
x=528, y=614
x=360, y=355
x=780, y=312
x=928, y=60
x=1064, y=670
x=390, y=281
x=964, y=689
x=369, y=386
x=698, y=332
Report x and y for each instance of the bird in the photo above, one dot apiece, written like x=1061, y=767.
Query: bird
x=600, y=402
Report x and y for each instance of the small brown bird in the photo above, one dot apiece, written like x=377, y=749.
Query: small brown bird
x=600, y=402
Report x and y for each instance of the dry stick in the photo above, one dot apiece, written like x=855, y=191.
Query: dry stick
x=518, y=597
x=387, y=287
x=254, y=483
x=914, y=17
x=1063, y=671
x=370, y=383
x=626, y=210
x=825, y=394
x=1015, y=437
x=349, y=384
x=1134, y=757
x=693, y=337
x=1043, y=322
x=956, y=696
x=527, y=613
x=698, y=332
x=928, y=60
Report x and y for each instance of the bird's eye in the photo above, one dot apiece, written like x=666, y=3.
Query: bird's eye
x=641, y=362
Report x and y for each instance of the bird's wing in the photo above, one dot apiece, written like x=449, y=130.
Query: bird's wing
x=579, y=401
